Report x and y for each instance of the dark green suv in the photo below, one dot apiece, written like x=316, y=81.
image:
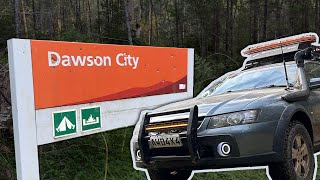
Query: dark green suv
x=265, y=113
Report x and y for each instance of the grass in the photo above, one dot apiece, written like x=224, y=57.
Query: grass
x=233, y=175
x=85, y=159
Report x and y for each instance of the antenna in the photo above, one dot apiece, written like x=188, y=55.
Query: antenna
x=285, y=67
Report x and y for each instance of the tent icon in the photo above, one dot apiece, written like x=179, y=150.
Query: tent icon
x=65, y=123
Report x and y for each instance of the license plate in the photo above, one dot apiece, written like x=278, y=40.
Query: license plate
x=162, y=141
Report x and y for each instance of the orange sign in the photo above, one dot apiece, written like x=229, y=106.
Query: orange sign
x=67, y=73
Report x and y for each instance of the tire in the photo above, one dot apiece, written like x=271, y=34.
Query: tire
x=298, y=159
x=166, y=174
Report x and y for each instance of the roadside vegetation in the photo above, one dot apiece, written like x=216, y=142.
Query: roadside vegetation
x=218, y=30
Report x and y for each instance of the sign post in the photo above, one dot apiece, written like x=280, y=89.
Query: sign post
x=64, y=90
x=23, y=110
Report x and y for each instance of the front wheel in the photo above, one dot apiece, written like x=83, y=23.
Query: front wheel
x=298, y=159
x=166, y=174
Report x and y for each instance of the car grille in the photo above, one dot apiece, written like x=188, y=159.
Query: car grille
x=176, y=126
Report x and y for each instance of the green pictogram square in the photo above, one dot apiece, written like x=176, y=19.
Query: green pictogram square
x=64, y=123
x=90, y=118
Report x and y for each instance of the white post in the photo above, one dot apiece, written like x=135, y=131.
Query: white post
x=190, y=72
x=23, y=109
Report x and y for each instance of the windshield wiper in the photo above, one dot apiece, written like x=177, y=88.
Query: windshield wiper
x=272, y=86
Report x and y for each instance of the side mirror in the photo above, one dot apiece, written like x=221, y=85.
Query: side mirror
x=314, y=83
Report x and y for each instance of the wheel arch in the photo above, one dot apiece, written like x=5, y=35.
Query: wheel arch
x=291, y=113
x=304, y=118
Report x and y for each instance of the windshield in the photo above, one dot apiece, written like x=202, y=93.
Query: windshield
x=254, y=79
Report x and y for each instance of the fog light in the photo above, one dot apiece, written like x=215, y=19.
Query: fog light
x=224, y=149
x=138, y=155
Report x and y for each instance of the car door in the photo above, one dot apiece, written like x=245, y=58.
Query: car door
x=312, y=70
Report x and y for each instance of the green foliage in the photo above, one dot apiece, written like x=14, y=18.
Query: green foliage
x=204, y=73
x=74, y=35
x=3, y=56
x=217, y=34
x=6, y=30
x=208, y=69
x=85, y=158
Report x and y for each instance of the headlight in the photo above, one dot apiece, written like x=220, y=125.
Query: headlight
x=232, y=119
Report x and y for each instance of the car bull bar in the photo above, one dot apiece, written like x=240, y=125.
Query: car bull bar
x=191, y=136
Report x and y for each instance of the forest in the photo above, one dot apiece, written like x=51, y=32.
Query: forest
x=218, y=30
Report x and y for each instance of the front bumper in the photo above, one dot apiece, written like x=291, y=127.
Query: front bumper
x=251, y=144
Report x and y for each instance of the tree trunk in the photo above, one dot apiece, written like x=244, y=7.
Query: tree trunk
x=316, y=12
x=99, y=20
x=128, y=22
x=183, y=23
x=137, y=22
x=63, y=16
x=232, y=9
x=150, y=22
x=41, y=16
x=305, y=18
x=156, y=18
x=25, y=25
x=255, y=8
x=265, y=19
x=318, y=15
x=176, y=5
x=204, y=43
x=108, y=15
x=59, y=17
x=78, y=18
x=84, y=15
x=278, y=18
x=227, y=25
x=134, y=12
x=34, y=17
x=216, y=27
x=90, y=17
x=99, y=13
x=87, y=11
x=17, y=17
x=51, y=22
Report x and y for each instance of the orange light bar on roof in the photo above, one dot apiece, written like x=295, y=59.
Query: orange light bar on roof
x=280, y=43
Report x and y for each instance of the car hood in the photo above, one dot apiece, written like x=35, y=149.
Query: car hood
x=228, y=102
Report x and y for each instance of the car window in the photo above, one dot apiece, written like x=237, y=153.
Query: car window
x=312, y=70
x=254, y=79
